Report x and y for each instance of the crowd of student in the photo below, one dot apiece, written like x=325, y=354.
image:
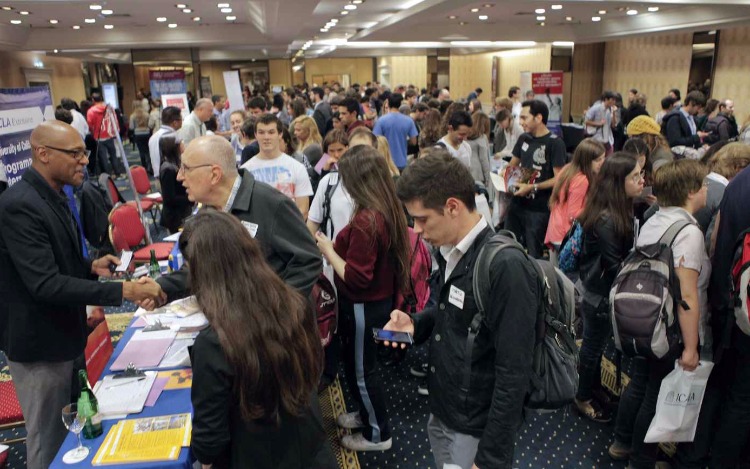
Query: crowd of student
x=346, y=186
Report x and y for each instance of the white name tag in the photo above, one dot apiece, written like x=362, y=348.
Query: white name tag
x=525, y=146
x=456, y=297
x=251, y=228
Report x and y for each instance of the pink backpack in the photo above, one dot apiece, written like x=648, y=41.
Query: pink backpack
x=421, y=268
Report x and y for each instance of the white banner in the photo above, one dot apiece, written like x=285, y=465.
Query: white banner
x=234, y=91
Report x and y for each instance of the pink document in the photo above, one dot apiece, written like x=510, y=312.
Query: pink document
x=144, y=349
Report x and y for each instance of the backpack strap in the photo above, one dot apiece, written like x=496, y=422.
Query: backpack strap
x=669, y=236
x=480, y=284
x=330, y=188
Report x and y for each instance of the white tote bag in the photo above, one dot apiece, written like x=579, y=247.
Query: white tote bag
x=679, y=404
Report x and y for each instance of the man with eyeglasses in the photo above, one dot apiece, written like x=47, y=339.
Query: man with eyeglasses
x=46, y=283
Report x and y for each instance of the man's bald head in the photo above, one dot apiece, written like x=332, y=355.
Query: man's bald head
x=214, y=150
x=55, y=133
x=58, y=154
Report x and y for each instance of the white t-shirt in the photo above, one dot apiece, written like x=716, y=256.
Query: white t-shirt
x=689, y=252
x=342, y=206
x=284, y=173
x=463, y=153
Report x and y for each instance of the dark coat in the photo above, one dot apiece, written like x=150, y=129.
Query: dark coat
x=322, y=116
x=677, y=130
x=602, y=253
x=491, y=408
x=286, y=242
x=45, y=282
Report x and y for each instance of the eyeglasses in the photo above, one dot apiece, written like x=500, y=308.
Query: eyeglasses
x=185, y=168
x=639, y=177
x=77, y=153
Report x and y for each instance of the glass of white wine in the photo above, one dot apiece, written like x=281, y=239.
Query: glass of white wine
x=74, y=422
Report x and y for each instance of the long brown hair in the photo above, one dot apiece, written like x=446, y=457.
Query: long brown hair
x=586, y=152
x=480, y=125
x=365, y=174
x=607, y=197
x=266, y=329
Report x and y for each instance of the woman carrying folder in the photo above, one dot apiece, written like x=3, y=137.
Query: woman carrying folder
x=257, y=365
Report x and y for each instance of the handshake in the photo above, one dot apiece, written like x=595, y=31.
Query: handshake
x=145, y=292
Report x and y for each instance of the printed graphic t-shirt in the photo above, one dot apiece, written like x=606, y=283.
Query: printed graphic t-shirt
x=284, y=173
x=541, y=154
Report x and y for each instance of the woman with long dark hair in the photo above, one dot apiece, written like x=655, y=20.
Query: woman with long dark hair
x=257, y=365
x=607, y=222
x=571, y=188
x=175, y=206
x=371, y=261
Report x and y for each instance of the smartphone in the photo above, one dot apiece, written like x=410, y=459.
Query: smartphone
x=125, y=258
x=392, y=336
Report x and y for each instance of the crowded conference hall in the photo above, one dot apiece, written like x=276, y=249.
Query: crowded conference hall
x=375, y=234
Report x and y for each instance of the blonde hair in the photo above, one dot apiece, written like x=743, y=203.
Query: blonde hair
x=730, y=160
x=307, y=122
x=385, y=150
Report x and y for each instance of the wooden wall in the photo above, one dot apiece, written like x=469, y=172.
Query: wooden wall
x=732, y=70
x=651, y=64
x=280, y=72
x=360, y=70
x=67, y=78
x=588, y=76
x=409, y=70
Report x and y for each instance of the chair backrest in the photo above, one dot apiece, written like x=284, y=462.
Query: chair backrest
x=140, y=179
x=125, y=218
x=114, y=194
x=117, y=239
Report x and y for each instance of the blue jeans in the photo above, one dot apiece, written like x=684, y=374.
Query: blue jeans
x=597, y=328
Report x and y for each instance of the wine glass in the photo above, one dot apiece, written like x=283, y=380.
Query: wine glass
x=74, y=422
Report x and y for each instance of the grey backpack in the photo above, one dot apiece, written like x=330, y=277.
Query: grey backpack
x=644, y=298
x=554, y=374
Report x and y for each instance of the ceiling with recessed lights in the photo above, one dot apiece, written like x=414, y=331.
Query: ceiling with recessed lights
x=331, y=28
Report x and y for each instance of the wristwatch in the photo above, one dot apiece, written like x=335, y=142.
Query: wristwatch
x=536, y=188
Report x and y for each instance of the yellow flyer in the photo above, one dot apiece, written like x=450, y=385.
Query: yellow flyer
x=178, y=379
x=144, y=440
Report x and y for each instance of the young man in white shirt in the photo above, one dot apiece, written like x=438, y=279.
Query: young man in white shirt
x=171, y=122
x=278, y=169
x=459, y=125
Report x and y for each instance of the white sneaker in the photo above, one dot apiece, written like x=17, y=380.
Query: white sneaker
x=351, y=420
x=358, y=442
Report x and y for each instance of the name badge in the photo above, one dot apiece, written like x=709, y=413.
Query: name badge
x=525, y=146
x=251, y=228
x=456, y=297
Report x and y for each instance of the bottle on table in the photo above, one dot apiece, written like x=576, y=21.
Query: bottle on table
x=154, y=271
x=88, y=406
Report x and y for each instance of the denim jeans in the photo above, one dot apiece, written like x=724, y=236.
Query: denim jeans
x=596, y=331
x=530, y=228
x=734, y=424
x=631, y=401
x=643, y=455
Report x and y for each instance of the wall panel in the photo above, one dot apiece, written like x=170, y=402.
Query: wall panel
x=588, y=76
x=732, y=70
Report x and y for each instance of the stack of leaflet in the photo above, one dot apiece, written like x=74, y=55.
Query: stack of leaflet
x=120, y=396
x=145, y=349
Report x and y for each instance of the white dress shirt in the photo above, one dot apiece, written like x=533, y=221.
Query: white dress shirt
x=453, y=254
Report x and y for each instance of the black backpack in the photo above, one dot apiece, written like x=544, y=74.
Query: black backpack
x=554, y=374
x=644, y=298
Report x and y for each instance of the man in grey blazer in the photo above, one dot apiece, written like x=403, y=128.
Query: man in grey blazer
x=194, y=125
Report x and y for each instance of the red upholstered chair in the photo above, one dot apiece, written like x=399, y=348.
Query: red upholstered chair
x=114, y=194
x=126, y=229
x=143, y=187
x=10, y=410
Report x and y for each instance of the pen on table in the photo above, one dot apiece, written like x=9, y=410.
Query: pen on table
x=122, y=384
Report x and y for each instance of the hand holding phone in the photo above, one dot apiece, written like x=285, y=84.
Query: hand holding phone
x=125, y=258
x=381, y=335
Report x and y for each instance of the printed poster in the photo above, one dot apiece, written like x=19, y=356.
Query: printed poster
x=167, y=82
x=548, y=88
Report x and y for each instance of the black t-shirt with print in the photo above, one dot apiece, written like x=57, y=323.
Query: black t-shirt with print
x=541, y=154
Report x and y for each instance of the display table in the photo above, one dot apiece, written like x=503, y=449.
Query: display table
x=170, y=402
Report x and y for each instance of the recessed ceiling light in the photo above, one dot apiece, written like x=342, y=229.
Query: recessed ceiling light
x=107, y=12
x=350, y=7
x=541, y=18
x=53, y=21
x=474, y=10
x=323, y=30
x=602, y=12
x=196, y=18
x=596, y=18
x=76, y=27
x=632, y=12
x=344, y=13
x=24, y=13
x=90, y=20
x=222, y=5
x=95, y=7
x=231, y=18
x=181, y=5
x=556, y=7
x=334, y=20
x=161, y=19
x=108, y=26
x=358, y=2
x=15, y=21
x=541, y=24
x=483, y=17
x=55, y=51
x=540, y=11
x=226, y=10
x=172, y=25
x=568, y=18
x=653, y=9
x=7, y=8
x=187, y=10
x=462, y=23
x=488, y=5
x=452, y=17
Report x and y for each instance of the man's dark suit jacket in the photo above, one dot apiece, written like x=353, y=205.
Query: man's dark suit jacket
x=45, y=282
x=678, y=130
x=322, y=116
x=289, y=247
